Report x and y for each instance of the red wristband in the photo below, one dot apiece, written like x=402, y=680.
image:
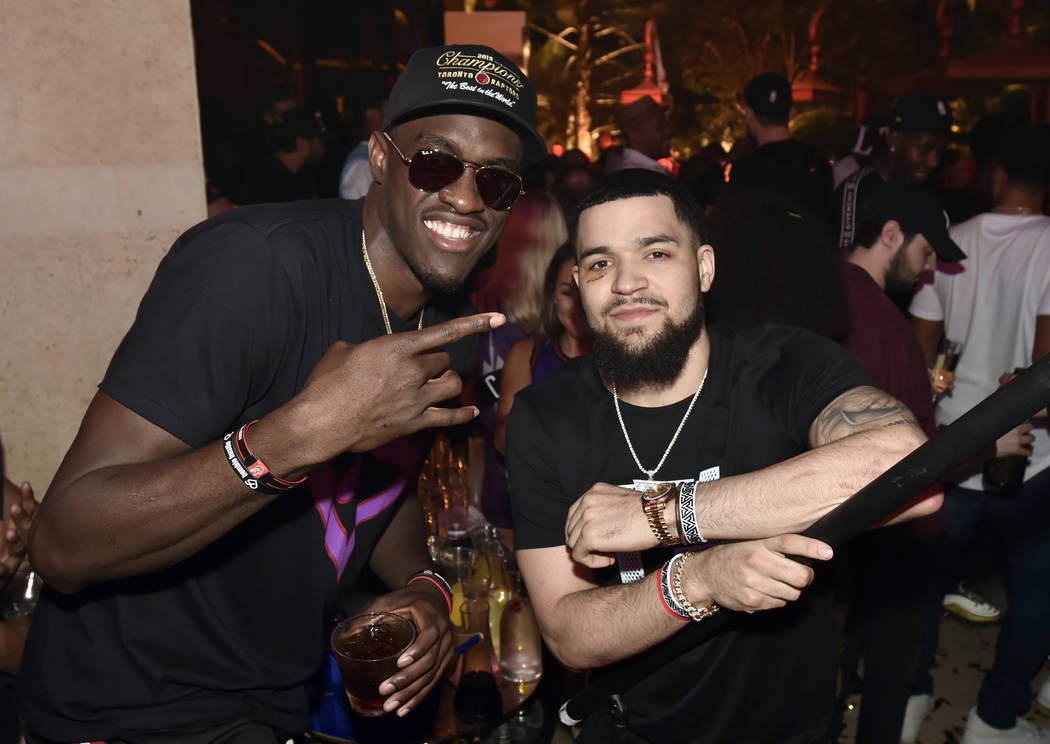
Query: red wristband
x=436, y=582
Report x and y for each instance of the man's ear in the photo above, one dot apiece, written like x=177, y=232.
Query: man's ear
x=705, y=259
x=377, y=156
x=892, y=237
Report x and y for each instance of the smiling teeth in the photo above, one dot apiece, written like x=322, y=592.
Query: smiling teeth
x=448, y=230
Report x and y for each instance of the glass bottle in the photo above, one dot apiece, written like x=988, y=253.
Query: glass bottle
x=504, y=587
x=477, y=695
x=521, y=651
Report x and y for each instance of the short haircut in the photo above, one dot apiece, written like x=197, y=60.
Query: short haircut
x=635, y=182
x=770, y=121
x=869, y=227
x=1025, y=155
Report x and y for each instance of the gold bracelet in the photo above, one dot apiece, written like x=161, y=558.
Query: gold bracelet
x=697, y=613
x=653, y=502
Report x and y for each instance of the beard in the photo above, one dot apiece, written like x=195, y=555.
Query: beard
x=657, y=362
x=898, y=275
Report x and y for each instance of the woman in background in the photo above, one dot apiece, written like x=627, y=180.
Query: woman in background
x=564, y=336
x=514, y=287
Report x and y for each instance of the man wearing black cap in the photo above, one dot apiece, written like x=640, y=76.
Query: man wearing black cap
x=247, y=455
x=780, y=163
x=918, y=132
x=901, y=228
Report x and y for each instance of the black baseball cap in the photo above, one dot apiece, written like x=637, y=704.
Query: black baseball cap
x=869, y=134
x=769, y=94
x=918, y=211
x=470, y=79
x=921, y=112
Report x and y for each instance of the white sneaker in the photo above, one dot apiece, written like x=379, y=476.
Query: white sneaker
x=969, y=605
x=1043, y=698
x=1023, y=732
x=919, y=706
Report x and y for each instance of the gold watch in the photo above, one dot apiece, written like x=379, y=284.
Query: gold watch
x=654, y=499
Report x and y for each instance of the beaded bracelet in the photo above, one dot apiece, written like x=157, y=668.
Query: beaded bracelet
x=666, y=595
x=687, y=527
x=251, y=470
x=696, y=613
x=437, y=580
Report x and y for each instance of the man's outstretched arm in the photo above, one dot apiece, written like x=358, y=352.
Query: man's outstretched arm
x=130, y=498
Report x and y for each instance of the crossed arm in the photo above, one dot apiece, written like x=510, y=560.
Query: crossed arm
x=855, y=438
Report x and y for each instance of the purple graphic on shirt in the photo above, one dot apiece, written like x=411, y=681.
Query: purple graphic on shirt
x=338, y=541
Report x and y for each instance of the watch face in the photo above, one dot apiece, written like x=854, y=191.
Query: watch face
x=659, y=492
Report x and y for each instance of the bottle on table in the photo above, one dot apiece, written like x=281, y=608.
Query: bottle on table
x=521, y=649
x=477, y=697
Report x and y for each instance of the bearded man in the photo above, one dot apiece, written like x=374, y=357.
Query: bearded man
x=758, y=432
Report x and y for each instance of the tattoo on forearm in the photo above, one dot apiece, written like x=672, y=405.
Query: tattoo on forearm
x=856, y=410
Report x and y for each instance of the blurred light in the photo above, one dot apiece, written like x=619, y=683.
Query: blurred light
x=557, y=150
x=271, y=51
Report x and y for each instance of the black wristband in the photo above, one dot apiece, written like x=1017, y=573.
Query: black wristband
x=250, y=469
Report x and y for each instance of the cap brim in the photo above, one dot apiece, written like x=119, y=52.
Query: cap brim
x=945, y=248
x=534, y=145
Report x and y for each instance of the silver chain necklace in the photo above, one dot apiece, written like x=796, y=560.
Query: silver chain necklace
x=623, y=428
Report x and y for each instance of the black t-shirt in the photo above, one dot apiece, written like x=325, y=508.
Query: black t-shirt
x=770, y=677
x=267, y=180
x=792, y=168
x=240, y=311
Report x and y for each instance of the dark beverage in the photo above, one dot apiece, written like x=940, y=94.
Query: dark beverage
x=1005, y=473
x=477, y=698
x=367, y=648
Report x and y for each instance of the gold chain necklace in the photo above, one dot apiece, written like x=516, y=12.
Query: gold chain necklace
x=379, y=292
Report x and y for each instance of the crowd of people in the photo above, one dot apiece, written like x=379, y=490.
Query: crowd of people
x=674, y=370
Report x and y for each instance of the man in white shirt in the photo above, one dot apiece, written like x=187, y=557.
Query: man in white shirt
x=998, y=307
x=648, y=135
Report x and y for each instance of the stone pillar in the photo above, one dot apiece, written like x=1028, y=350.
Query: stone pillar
x=100, y=170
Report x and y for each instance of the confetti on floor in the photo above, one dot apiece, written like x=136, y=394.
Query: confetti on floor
x=965, y=650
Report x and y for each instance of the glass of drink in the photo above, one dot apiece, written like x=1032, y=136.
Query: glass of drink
x=366, y=649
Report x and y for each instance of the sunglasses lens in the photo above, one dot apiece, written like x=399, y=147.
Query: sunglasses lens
x=498, y=188
x=433, y=171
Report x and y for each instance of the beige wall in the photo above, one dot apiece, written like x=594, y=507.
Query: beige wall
x=100, y=169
